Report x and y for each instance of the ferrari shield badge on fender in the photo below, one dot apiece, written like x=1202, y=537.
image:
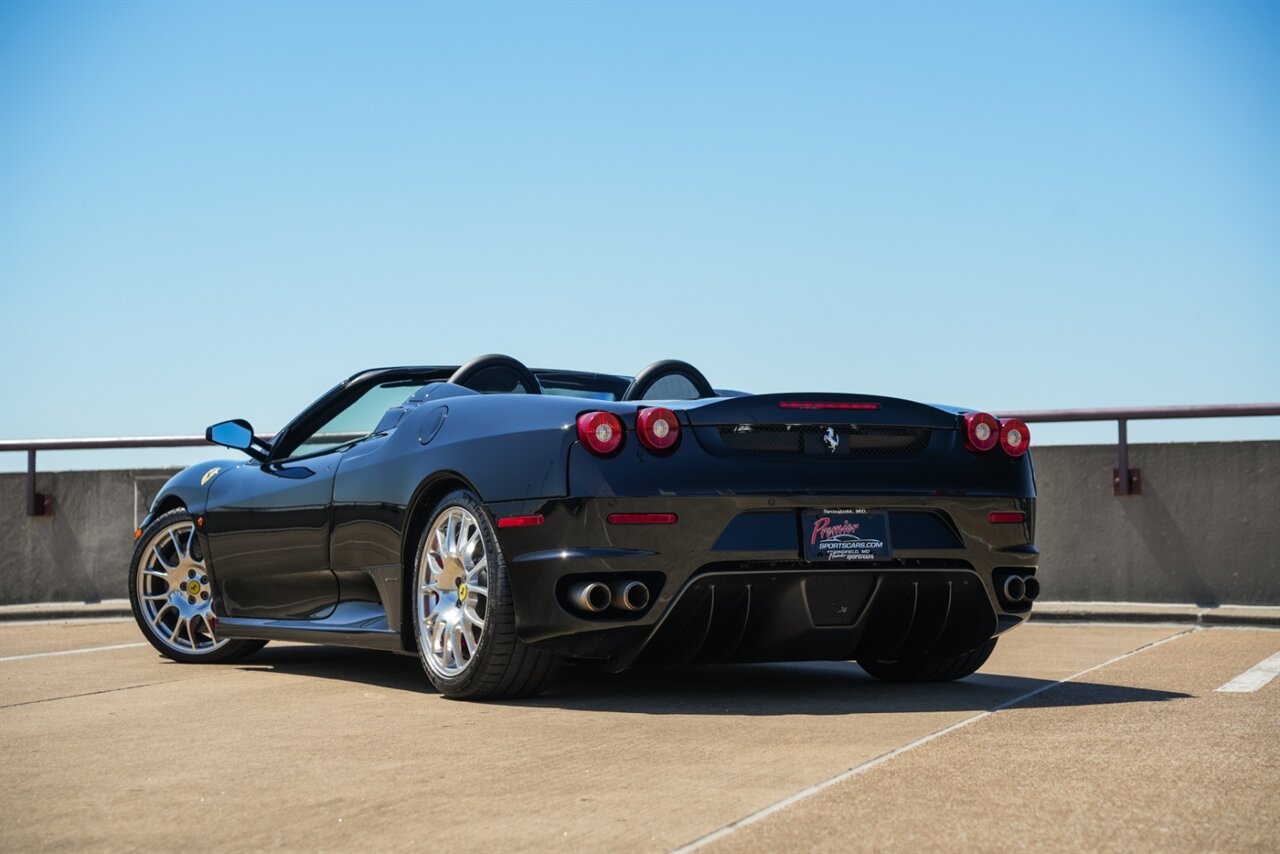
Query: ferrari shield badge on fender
x=210, y=475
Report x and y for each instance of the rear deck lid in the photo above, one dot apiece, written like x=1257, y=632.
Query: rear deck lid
x=823, y=425
x=818, y=409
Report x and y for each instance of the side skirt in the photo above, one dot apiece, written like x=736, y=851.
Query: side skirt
x=357, y=624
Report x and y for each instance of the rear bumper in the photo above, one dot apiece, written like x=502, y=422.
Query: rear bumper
x=728, y=580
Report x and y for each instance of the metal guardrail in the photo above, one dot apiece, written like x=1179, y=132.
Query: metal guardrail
x=39, y=504
x=1124, y=479
x=1128, y=484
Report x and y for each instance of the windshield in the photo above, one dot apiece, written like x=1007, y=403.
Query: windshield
x=357, y=419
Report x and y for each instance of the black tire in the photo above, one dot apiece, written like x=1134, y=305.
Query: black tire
x=161, y=620
x=931, y=669
x=501, y=666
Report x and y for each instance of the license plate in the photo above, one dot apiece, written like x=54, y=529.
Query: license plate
x=845, y=535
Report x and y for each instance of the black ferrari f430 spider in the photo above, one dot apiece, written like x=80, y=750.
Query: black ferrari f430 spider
x=496, y=521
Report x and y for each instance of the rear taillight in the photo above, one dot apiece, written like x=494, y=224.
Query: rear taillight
x=1015, y=438
x=981, y=431
x=657, y=428
x=600, y=432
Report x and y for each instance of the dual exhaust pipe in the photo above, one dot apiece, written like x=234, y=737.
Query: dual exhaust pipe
x=1018, y=588
x=596, y=596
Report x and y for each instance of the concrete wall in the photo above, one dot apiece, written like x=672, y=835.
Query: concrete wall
x=1205, y=530
x=80, y=553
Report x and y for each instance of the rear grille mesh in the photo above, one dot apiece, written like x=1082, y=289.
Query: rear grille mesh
x=824, y=440
x=837, y=600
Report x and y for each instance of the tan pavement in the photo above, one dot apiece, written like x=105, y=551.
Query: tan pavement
x=1143, y=755
x=312, y=748
x=37, y=637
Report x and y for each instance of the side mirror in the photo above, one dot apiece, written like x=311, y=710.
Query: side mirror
x=237, y=434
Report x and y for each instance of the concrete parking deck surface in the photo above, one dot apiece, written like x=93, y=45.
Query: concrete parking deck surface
x=105, y=745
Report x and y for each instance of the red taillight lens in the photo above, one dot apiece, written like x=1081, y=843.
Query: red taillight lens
x=520, y=521
x=600, y=432
x=1006, y=518
x=657, y=428
x=981, y=431
x=1015, y=438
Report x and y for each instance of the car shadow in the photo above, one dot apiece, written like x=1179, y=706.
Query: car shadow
x=805, y=688
x=345, y=664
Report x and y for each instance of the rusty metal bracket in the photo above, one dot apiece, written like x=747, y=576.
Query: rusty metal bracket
x=1128, y=486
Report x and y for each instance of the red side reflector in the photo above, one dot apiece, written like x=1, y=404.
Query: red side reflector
x=1006, y=518
x=826, y=404
x=642, y=518
x=520, y=521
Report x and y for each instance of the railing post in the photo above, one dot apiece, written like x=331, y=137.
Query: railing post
x=35, y=507
x=1124, y=480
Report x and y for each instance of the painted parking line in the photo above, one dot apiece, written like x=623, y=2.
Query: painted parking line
x=810, y=791
x=72, y=651
x=1255, y=677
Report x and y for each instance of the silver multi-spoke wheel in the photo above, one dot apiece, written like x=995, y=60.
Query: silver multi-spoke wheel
x=453, y=592
x=463, y=613
x=173, y=592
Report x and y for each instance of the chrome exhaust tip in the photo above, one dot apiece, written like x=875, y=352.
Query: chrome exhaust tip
x=1031, y=587
x=1015, y=589
x=590, y=596
x=630, y=595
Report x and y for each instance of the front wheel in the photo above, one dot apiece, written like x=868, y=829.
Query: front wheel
x=930, y=669
x=463, y=614
x=172, y=596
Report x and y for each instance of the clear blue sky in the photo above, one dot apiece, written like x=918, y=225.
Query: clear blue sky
x=211, y=210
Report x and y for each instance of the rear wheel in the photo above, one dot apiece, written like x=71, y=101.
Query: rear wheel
x=930, y=669
x=464, y=617
x=172, y=596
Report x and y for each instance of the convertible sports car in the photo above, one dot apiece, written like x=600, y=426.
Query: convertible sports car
x=495, y=521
